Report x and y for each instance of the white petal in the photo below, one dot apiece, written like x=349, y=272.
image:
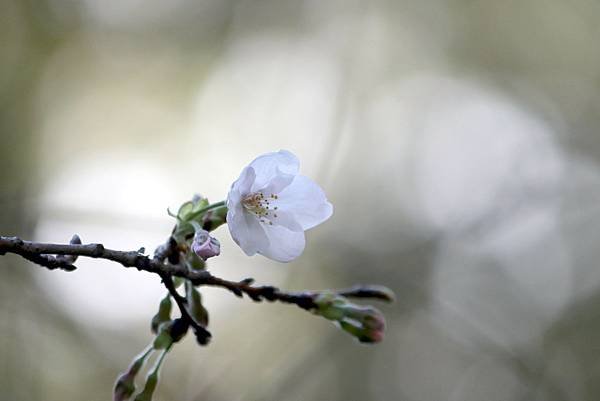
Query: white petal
x=233, y=198
x=244, y=183
x=285, y=219
x=272, y=164
x=277, y=184
x=306, y=201
x=246, y=231
x=284, y=245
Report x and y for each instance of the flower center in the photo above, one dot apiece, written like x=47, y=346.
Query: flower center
x=259, y=205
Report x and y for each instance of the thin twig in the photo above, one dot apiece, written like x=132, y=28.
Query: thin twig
x=202, y=335
x=304, y=300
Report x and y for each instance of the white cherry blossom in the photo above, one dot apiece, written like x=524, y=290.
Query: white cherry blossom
x=271, y=205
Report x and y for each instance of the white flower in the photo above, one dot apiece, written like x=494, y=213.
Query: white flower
x=271, y=205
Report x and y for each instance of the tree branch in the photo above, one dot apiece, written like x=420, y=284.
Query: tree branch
x=41, y=254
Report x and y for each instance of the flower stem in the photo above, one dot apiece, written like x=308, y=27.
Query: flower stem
x=152, y=379
x=144, y=354
x=161, y=359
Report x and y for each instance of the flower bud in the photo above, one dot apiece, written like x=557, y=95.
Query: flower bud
x=204, y=245
x=366, y=323
x=125, y=385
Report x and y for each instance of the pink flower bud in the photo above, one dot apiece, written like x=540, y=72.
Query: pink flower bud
x=204, y=245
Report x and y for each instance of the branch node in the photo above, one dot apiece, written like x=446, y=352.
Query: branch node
x=98, y=250
x=269, y=293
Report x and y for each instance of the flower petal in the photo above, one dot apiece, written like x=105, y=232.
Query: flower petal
x=245, y=181
x=246, y=230
x=285, y=219
x=278, y=183
x=284, y=245
x=306, y=201
x=272, y=164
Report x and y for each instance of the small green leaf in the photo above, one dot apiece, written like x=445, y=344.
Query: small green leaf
x=163, y=340
x=163, y=314
x=185, y=210
x=199, y=203
x=190, y=208
x=195, y=306
x=177, y=281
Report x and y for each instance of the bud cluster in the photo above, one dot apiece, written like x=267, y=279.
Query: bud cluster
x=366, y=323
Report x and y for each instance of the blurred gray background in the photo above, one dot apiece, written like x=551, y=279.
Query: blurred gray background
x=456, y=139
